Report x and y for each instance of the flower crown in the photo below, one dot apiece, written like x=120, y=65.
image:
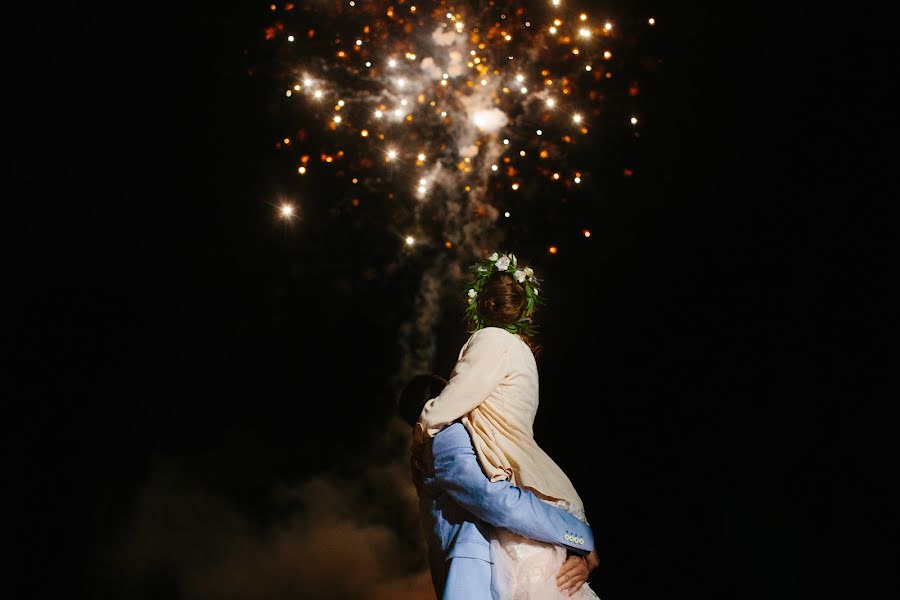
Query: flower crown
x=504, y=263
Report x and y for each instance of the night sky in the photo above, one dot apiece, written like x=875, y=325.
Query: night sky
x=715, y=356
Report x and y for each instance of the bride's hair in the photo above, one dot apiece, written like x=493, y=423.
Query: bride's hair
x=501, y=302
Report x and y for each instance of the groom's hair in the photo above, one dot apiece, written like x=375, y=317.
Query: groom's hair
x=419, y=390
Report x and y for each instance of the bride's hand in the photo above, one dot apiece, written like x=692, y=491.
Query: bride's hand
x=572, y=575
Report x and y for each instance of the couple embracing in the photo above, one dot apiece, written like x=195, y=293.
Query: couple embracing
x=502, y=521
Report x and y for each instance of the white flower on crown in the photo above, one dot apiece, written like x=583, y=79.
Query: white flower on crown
x=519, y=275
x=472, y=293
x=529, y=272
x=513, y=257
x=535, y=291
x=503, y=263
x=493, y=257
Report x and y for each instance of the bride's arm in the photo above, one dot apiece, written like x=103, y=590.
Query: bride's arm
x=480, y=368
x=500, y=503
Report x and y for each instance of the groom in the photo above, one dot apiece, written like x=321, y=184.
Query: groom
x=459, y=504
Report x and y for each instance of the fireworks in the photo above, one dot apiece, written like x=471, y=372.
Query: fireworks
x=452, y=109
x=287, y=211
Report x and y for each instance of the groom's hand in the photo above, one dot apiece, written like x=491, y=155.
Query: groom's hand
x=572, y=575
x=593, y=561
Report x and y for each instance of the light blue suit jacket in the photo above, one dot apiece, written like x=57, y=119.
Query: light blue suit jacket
x=459, y=504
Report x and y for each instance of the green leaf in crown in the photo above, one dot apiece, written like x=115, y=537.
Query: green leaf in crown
x=503, y=262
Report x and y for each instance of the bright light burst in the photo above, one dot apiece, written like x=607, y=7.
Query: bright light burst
x=287, y=211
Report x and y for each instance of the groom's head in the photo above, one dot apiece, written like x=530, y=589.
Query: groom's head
x=419, y=390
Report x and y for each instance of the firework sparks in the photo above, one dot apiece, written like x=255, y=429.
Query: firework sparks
x=454, y=89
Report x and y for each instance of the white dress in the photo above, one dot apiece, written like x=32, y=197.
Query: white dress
x=493, y=390
x=525, y=569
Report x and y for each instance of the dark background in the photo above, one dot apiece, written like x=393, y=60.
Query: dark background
x=715, y=365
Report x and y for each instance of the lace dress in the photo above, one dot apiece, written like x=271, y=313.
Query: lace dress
x=525, y=569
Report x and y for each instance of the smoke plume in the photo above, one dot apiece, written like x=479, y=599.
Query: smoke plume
x=353, y=536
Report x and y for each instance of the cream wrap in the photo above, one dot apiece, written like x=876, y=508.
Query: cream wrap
x=493, y=389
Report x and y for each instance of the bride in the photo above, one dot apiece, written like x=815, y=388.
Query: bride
x=493, y=391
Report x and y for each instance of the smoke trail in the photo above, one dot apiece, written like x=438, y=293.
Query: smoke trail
x=465, y=218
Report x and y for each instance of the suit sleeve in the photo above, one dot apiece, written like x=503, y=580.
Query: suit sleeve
x=480, y=368
x=500, y=503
